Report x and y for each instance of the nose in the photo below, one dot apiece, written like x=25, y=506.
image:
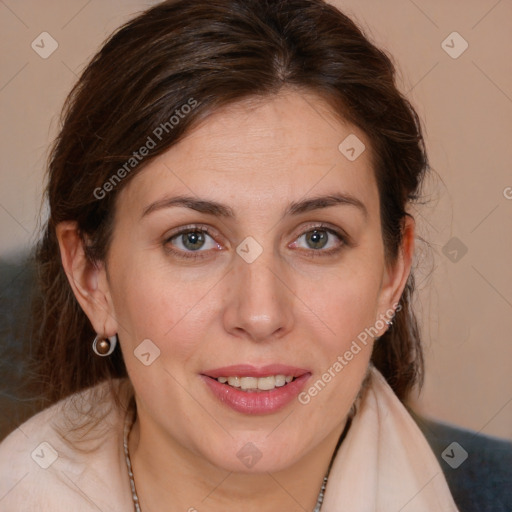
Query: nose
x=259, y=303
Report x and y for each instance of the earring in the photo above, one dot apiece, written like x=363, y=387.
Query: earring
x=104, y=346
x=390, y=321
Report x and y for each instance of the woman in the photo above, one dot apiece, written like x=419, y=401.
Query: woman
x=226, y=274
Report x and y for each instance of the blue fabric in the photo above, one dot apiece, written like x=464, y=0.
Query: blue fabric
x=17, y=400
x=483, y=481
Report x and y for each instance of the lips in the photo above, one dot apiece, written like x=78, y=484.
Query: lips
x=256, y=401
x=247, y=370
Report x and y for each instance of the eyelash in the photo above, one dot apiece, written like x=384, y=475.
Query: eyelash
x=198, y=255
x=324, y=253
x=190, y=255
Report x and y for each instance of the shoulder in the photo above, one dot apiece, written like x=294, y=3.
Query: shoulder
x=46, y=465
x=478, y=468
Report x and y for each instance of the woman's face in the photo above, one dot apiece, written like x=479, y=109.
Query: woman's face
x=270, y=278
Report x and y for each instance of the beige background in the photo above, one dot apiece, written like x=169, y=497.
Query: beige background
x=466, y=106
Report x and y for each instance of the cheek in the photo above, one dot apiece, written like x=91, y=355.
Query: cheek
x=150, y=303
x=346, y=311
x=345, y=301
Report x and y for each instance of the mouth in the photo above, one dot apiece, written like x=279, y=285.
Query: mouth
x=252, y=390
x=257, y=384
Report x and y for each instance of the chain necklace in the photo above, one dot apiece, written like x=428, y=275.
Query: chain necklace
x=130, y=420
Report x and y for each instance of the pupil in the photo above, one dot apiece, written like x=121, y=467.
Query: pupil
x=317, y=239
x=193, y=240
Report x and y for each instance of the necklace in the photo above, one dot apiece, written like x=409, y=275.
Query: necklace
x=130, y=420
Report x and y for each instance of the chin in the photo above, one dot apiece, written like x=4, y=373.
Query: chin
x=256, y=456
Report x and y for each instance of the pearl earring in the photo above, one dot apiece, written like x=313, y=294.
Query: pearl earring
x=104, y=346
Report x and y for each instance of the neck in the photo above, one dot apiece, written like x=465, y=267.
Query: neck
x=170, y=478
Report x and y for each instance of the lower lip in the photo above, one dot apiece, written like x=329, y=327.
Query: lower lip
x=257, y=402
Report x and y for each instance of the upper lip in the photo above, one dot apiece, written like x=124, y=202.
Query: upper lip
x=247, y=370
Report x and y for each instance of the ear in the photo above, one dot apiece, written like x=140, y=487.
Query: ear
x=396, y=275
x=88, y=280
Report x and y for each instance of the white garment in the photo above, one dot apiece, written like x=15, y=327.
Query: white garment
x=75, y=481
x=383, y=465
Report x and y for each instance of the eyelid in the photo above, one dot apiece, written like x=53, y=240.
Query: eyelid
x=345, y=240
x=192, y=228
x=189, y=255
x=340, y=233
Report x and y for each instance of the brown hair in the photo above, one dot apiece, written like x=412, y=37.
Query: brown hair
x=213, y=53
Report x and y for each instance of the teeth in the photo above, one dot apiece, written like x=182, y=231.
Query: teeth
x=249, y=382
x=255, y=383
x=280, y=380
x=266, y=383
x=234, y=381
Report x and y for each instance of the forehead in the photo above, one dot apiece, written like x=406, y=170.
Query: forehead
x=281, y=146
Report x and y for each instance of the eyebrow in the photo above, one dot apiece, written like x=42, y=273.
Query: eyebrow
x=199, y=205
x=221, y=210
x=316, y=203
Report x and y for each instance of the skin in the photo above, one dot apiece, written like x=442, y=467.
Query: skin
x=292, y=305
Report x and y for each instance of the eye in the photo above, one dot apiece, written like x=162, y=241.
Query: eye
x=191, y=240
x=322, y=240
